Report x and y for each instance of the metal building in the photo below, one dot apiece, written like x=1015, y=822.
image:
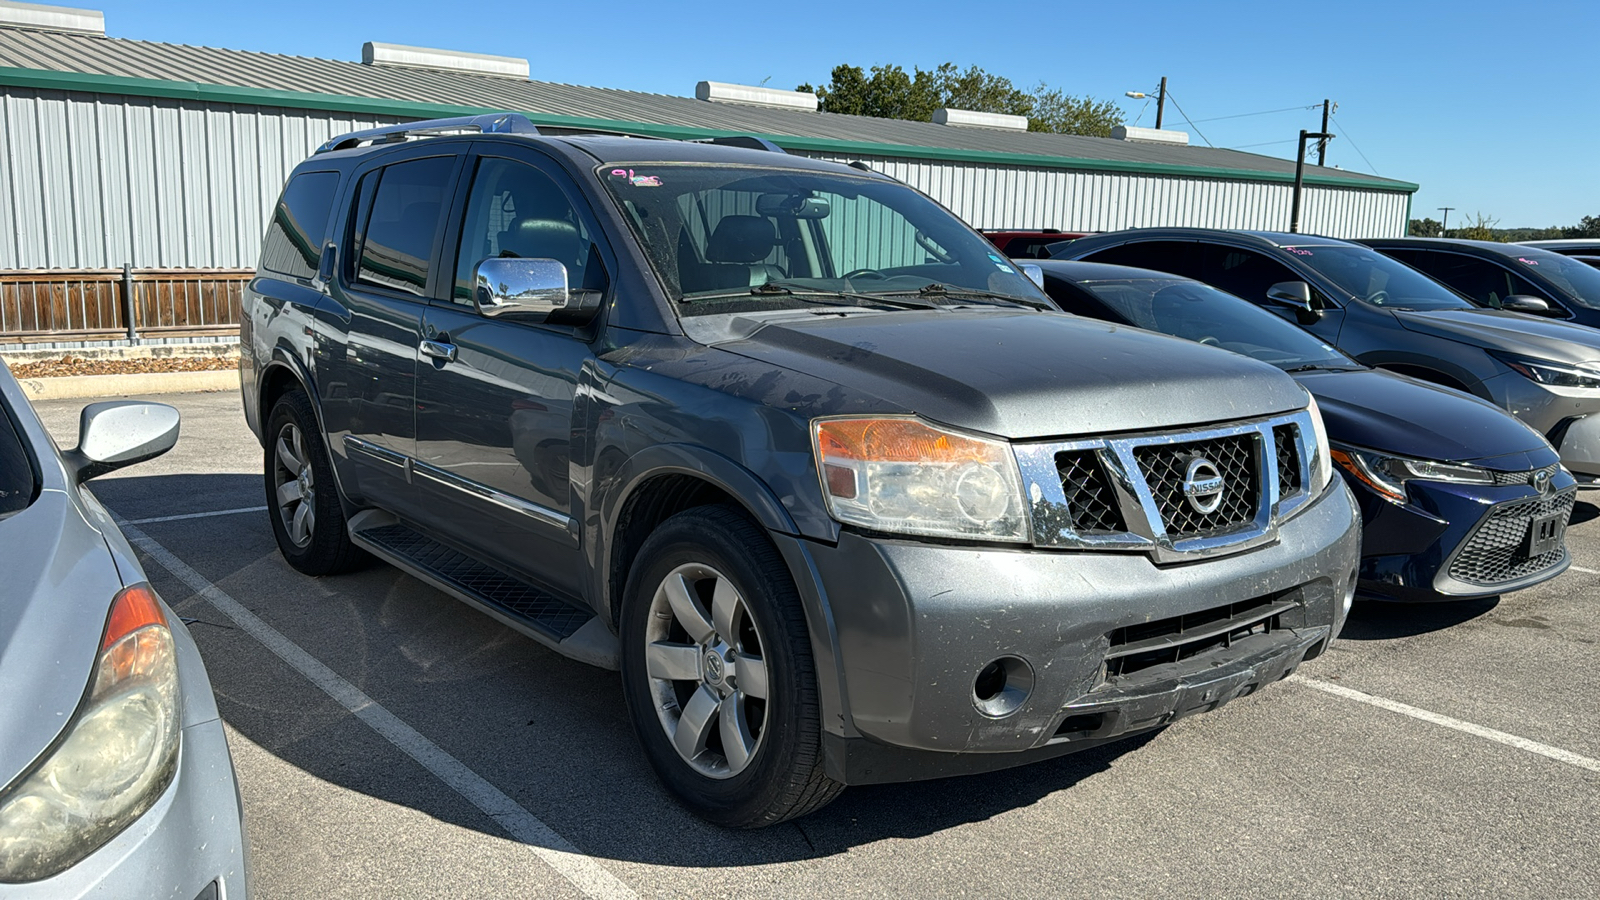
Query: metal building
x=161, y=156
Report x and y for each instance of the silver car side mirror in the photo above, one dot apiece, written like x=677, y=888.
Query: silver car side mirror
x=520, y=288
x=1034, y=273
x=1523, y=303
x=119, y=433
x=1294, y=294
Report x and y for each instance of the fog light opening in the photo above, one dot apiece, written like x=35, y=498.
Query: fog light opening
x=1002, y=687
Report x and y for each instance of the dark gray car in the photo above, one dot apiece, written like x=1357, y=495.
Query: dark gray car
x=115, y=778
x=1391, y=316
x=804, y=456
x=1504, y=276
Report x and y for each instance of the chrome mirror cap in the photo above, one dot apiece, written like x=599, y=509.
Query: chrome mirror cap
x=524, y=288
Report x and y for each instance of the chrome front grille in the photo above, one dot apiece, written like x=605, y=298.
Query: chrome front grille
x=1148, y=492
x=1236, y=458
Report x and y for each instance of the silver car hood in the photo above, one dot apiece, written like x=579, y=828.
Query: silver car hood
x=1495, y=329
x=60, y=578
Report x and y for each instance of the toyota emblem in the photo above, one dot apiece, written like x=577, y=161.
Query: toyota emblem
x=1202, y=485
x=1541, y=481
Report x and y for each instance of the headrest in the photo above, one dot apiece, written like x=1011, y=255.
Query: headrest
x=542, y=239
x=742, y=239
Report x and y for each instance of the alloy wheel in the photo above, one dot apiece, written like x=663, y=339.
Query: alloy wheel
x=295, y=485
x=708, y=678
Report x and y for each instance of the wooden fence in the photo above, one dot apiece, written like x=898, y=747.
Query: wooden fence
x=60, y=304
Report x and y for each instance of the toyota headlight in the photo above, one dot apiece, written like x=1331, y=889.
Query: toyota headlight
x=1387, y=475
x=115, y=759
x=1553, y=374
x=906, y=476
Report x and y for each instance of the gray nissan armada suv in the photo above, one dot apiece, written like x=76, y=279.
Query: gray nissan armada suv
x=783, y=440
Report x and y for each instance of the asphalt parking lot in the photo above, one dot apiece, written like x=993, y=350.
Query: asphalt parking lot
x=392, y=742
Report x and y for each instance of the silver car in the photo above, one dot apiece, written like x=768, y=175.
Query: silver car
x=115, y=777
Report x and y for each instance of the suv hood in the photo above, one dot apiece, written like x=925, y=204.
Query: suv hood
x=60, y=580
x=1025, y=375
x=1399, y=415
x=1496, y=329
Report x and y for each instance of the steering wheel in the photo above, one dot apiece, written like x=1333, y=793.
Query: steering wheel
x=1378, y=298
x=868, y=274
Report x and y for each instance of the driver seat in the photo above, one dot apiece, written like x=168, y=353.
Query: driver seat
x=736, y=252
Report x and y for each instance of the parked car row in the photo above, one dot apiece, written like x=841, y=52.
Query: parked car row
x=830, y=479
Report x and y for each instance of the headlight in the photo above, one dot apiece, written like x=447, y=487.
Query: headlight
x=1387, y=475
x=116, y=757
x=1321, y=464
x=1553, y=373
x=906, y=476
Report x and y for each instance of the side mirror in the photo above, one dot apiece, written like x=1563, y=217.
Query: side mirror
x=1523, y=303
x=119, y=433
x=530, y=290
x=1293, y=294
x=1034, y=273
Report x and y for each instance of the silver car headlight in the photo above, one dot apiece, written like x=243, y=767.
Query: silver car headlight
x=115, y=759
x=1553, y=374
x=903, y=475
x=1322, y=462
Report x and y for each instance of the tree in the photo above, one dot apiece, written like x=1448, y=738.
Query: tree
x=1425, y=228
x=1589, y=227
x=889, y=92
x=1481, y=228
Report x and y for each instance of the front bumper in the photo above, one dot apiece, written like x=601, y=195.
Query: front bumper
x=915, y=623
x=1569, y=417
x=1410, y=552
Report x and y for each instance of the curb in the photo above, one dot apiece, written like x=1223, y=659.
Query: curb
x=74, y=387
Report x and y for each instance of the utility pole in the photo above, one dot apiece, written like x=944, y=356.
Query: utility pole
x=1322, y=145
x=1161, y=103
x=1446, y=219
x=1300, y=175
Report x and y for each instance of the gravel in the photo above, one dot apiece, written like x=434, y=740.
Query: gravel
x=71, y=365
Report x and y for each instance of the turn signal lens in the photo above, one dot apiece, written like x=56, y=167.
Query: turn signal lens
x=904, y=475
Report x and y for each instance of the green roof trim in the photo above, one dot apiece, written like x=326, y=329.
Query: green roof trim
x=227, y=94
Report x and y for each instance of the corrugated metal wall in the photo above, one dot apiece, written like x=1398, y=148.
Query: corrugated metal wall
x=95, y=181
x=1019, y=197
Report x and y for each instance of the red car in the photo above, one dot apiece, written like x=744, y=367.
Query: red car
x=1029, y=244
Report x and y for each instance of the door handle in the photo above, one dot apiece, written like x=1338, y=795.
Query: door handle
x=438, y=350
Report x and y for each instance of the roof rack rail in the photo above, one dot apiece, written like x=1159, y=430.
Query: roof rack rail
x=492, y=123
x=747, y=141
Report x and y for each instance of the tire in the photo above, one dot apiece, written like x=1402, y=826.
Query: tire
x=302, y=498
x=756, y=760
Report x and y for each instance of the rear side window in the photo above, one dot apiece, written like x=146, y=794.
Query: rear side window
x=402, y=224
x=298, y=229
x=1484, y=281
x=17, y=485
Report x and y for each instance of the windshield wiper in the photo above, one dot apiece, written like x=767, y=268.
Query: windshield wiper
x=943, y=290
x=808, y=294
x=1320, y=367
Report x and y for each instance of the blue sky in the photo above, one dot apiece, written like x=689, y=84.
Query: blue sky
x=1487, y=105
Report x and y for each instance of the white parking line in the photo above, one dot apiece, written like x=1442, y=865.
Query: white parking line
x=587, y=875
x=1499, y=737
x=1586, y=571
x=200, y=515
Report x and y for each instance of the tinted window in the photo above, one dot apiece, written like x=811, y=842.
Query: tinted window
x=1573, y=277
x=1481, y=280
x=403, y=223
x=517, y=211
x=1191, y=310
x=16, y=468
x=298, y=229
x=1369, y=275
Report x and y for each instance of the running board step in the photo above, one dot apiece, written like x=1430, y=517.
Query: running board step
x=569, y=630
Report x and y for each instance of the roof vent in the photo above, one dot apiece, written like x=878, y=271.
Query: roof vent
x=720, y=92
x=966, y=118
x=1149, y=135
x=403, y=57
x=64, y=19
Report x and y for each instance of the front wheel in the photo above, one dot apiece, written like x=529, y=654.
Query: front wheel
x=717, y=672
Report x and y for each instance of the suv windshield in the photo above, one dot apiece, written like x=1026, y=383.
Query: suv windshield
x=1573, y=277
x=1369, y=275
x=1199, y=312
x=17, y=486
x=724, y=238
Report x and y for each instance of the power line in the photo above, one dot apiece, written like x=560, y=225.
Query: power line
x=1262, y=144
x=1352, y=141
x=1189, y=120
x=1262, y=113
